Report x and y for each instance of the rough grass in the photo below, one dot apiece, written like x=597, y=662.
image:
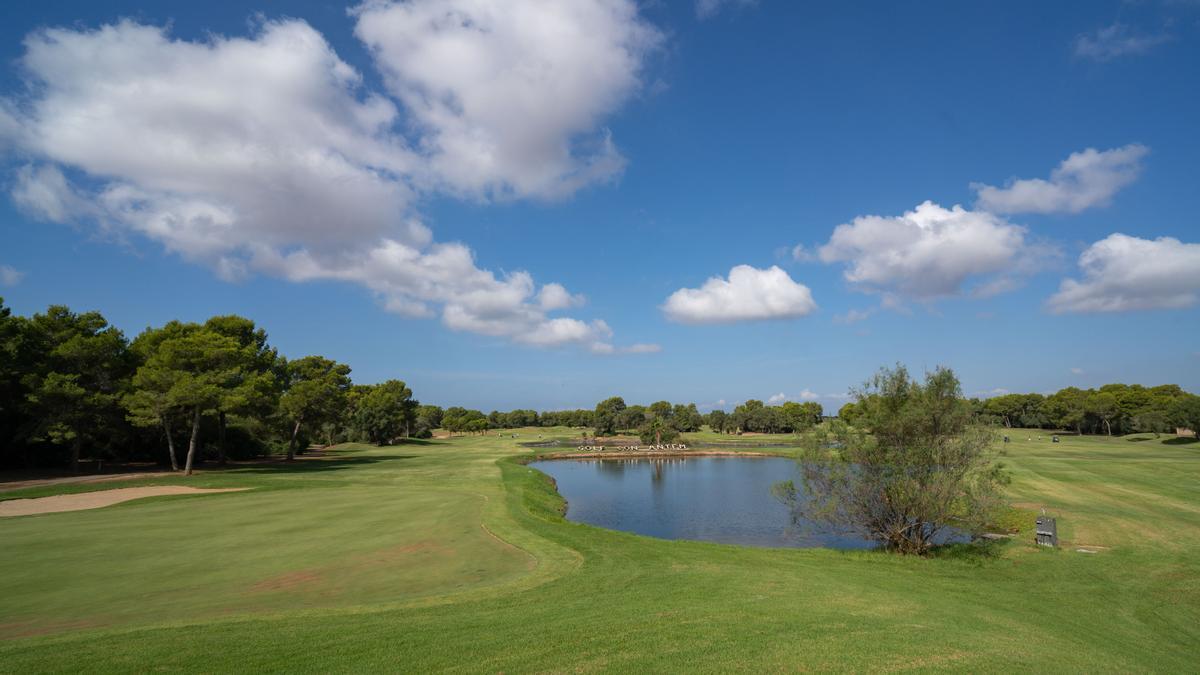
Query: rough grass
x=453, y=555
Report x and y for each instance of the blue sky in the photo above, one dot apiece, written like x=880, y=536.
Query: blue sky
x=522, y=205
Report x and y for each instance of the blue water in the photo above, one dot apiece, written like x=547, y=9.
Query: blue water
x=722, y=499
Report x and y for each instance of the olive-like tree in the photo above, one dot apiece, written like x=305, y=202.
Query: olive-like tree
x=607, y=415
x=914, y=464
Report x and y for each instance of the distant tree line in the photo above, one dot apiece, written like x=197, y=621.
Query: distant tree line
x=73, y=386
x=1113, y=409
x=755, y=416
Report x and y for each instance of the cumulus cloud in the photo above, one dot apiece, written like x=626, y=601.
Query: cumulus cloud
x=10, y=276
x=508, y=94
x=749, y=294
x=1110, y=42
x=931, y=252
x=1123, y=273
x=1083, y=180
x=267, y=154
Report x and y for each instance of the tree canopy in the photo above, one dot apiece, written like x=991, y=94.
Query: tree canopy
x=917, y=464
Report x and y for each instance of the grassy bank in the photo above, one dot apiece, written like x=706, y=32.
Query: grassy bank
x=451, y=554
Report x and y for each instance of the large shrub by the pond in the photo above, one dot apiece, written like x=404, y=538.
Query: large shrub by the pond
x=914, y=464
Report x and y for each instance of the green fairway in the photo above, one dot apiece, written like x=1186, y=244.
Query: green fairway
x=451, y=554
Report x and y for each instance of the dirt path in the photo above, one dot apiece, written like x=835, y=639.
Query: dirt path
x=95, y=500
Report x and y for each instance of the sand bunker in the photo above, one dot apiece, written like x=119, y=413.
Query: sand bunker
x=95, y=500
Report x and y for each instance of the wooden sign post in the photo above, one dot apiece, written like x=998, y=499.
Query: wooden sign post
x=1047, y=531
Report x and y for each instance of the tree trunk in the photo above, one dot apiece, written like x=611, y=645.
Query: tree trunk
x=1108, y=428
x=221, y=438
x=191, y=456
x=76, y=449
x=292, y=444
x=170, y=444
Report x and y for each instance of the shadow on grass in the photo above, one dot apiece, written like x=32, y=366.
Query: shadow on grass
x=1181, y=441
x=975, y=551
x=314, y=465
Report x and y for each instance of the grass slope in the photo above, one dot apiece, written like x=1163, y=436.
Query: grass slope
x=452, y=555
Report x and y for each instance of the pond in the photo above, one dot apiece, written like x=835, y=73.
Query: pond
x=721, y=499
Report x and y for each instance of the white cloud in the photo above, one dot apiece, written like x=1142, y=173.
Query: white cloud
x=1110, y=42
x=266, y=154
x=10, y=276
x=642, y=348
x=852, y=316
x=555, y=296
x=1077, y=371
x=1123, y=273
x=930, y=252
x=801, y=253
x=804, y=395
x=749, y=294
x=1083, y=180
x=508, y=94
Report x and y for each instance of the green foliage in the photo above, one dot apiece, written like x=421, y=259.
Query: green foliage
x=315, y=392
x=77, y=368
x=1185, y=412
x=791, y=417
x=686, y=418
x=607, y=415
x=386, y=411
x=461, y=420
x=917, y=464
x=657, y=430
x=718, y=421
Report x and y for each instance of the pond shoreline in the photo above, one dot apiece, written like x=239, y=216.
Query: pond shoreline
x=650, y=454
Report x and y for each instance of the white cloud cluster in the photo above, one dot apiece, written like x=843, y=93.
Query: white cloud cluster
x=1123, y=273
x=10, y=276
x=1083, y=180
x=1110, y=42
x=749, y=294
x=266, y=154
x=781, y=398
x=931, y=252
x=508, y=94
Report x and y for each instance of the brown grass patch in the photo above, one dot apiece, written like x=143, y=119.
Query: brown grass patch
x=292, y=581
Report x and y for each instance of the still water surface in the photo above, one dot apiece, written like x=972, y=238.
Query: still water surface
x=722, y=499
